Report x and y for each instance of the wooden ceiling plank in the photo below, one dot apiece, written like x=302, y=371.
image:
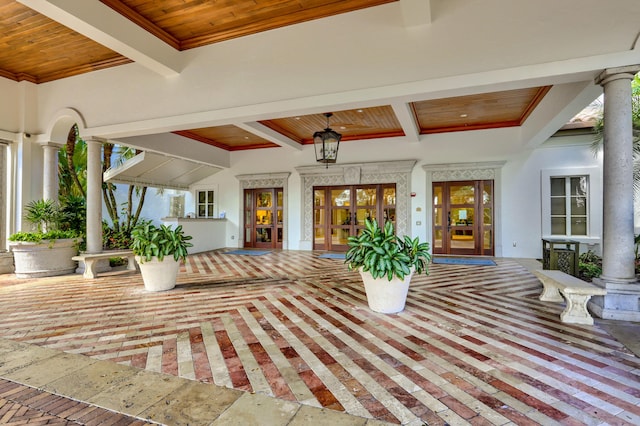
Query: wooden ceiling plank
x=103, y=25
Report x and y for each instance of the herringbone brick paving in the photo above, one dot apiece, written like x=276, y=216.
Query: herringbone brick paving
x=21, y=405
x=473, y=346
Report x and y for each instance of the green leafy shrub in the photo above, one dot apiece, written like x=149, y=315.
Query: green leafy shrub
x=149, y=241
x=381, y=252
x=50, y=222
x=589, y=265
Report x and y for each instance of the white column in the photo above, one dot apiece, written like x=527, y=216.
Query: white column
x=618, y=260
x=94, y=195
x=50, y=173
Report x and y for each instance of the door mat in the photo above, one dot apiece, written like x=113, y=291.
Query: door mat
x=463, y=261
x=332, y=256
x=247, y=252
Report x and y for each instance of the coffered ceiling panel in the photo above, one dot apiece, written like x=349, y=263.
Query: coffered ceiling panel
x=364, y=123
x=482, y=111
x=231, y=138
x=37, y=49
x=185, y=24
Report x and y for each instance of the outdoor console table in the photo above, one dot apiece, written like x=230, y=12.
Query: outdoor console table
x=561, y=255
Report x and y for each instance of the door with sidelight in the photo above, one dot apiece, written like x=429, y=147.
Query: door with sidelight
x=463, y=218
x=263, y=218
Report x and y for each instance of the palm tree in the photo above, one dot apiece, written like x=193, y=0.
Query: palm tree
x=72, y=175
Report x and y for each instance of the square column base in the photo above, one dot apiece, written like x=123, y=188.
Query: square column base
x=622, y=301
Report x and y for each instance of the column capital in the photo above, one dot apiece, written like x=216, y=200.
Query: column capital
x=50, y=144
x=94, y=139
x=617, y=73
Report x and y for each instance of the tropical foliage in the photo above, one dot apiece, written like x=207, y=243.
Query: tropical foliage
x=51, y=221
x=635, y=117
x=150, y=241
x=72, y=174
x=382, y=253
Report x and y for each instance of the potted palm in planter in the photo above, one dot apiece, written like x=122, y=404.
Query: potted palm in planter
x=48, y=249
x=386, y=263
x=158, y=251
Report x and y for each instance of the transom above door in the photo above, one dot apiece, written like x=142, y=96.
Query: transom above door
x=263, y=217
x=341, y=211
x=463, y=218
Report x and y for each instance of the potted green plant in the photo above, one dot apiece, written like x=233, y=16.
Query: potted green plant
x=386, y=264
x=48, y=249
x=158, y=251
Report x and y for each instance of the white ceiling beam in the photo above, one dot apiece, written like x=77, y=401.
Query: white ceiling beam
x=416, y=12
x=407, y=120
x=272, y=136
x=102, y=24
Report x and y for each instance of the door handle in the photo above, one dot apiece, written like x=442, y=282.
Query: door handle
x=449, y=221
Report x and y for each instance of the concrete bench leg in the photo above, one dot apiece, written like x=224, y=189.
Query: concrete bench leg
x=576, y=311
x=550, y=292
x=89, y=268
x=131, y=263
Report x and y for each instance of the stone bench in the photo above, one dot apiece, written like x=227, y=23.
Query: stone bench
x=91, y=260
x=575, y=291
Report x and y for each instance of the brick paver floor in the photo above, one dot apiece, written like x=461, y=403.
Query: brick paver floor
x=473, y=346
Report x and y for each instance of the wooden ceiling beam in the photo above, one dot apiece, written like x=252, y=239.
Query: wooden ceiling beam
x=271, y=135
x=102, y=24
x=406, y=117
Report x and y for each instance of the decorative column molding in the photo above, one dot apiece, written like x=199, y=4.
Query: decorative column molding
x=398, y=172
x=618, y=257
x=50, y=172
x=94, y=195
x=266, y=180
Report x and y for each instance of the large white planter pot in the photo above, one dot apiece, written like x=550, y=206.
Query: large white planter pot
x=384, y=296
x=159, y=275
x=46, y=259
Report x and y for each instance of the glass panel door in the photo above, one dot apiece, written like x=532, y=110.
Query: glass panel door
x=264, y=218
x=341, y=216
x=460, y=217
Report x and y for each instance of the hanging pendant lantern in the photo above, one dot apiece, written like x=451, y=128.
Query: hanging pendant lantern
x=326, y=144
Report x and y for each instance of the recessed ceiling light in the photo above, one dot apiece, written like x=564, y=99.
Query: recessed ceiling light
x=360, y=110
x=297, y=118
x=463, y=115
x=246, y=137
x=342, y=127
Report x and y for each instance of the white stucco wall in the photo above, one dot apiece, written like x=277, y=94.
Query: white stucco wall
x=521, y=192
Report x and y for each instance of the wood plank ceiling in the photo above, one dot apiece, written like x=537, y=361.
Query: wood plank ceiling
x=37, y=49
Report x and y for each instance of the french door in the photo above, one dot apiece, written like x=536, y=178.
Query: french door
x=263, y=216
x=463, y=218
x=341, y=211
